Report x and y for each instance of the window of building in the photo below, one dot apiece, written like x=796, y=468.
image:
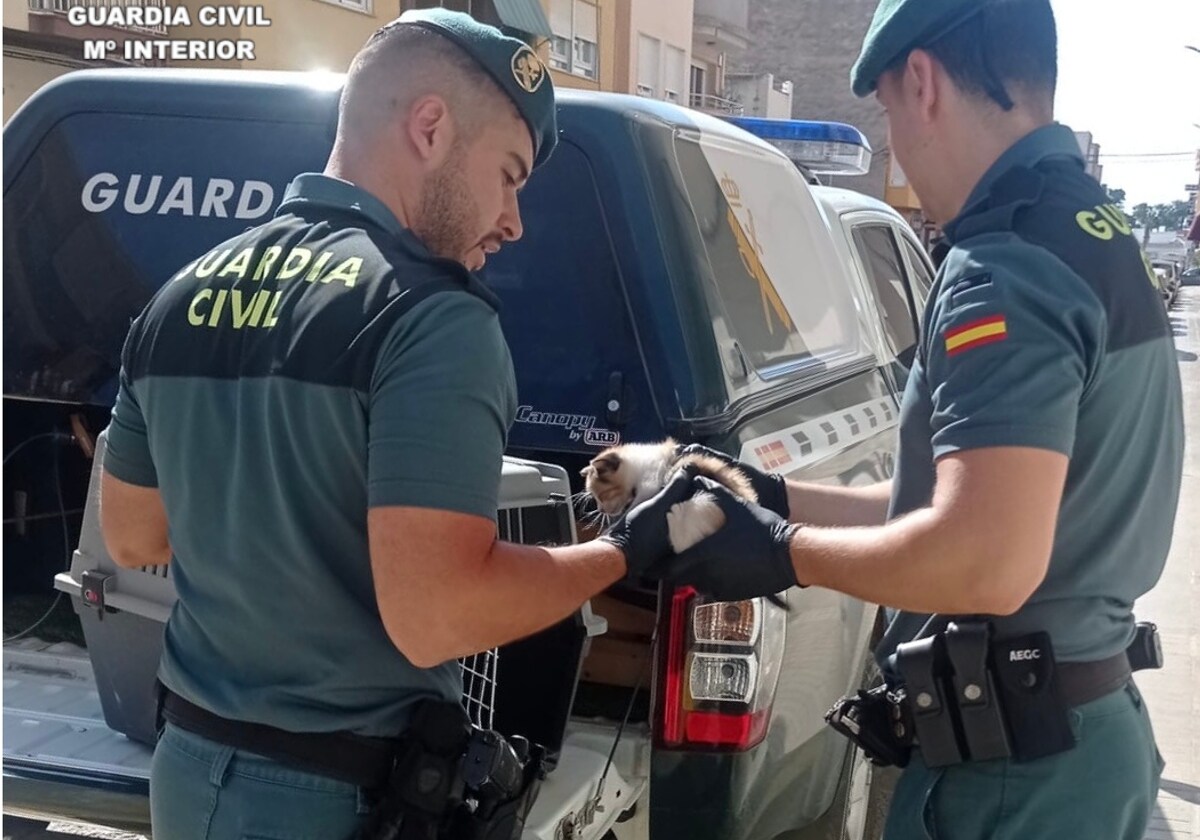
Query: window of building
x=560, y=53
x=649, y=65
x=696, y=86
x=562, y=24
x=573, y=47
x=364, y=6
x=585, y=58
x=675, y=75
x=585, y=39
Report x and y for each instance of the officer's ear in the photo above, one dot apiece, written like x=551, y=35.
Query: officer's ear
x=430, y=129
x=922, y=81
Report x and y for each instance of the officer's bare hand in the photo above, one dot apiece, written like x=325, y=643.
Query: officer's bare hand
x=642, y=532
x=770, y=488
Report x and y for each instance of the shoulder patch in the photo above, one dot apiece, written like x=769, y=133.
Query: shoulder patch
x=976, y=333
x=968, y=284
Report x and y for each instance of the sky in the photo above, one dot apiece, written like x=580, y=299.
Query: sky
x=1125, y=75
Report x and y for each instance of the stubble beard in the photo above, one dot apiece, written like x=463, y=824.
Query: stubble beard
x=448, y=210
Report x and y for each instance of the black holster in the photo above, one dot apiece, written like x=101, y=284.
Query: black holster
x=454, y=781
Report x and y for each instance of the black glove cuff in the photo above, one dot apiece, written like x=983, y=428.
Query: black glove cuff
x=786, y=570
x=775, y=499
x=622, y=545
x=615, y=538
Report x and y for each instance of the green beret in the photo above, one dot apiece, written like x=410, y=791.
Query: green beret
x=510, y=62
x=899, y=27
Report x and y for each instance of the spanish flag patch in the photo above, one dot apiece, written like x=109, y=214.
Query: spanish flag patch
x=987, y=330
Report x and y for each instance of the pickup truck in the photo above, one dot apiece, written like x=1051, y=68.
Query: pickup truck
x=677, y=276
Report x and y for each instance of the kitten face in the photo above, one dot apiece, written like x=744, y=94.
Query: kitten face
x=633, y=472
x=619, y=476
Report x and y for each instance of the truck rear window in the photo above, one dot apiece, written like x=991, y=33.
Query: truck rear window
x=756, y=236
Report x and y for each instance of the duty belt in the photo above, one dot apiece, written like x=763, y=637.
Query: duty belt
x=968, y=697
x=443, y=779
x=1083, y=682
x=357, y=759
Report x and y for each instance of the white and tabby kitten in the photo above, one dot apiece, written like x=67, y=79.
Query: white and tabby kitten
x=632, y=472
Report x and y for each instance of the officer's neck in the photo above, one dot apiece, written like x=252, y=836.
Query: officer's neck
x=978, y=141
x=370, y=171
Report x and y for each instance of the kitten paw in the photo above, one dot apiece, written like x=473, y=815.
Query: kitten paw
x=691, y=521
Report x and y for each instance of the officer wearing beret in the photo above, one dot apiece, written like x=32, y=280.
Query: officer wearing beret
x=1041, y=431
x=309, y=430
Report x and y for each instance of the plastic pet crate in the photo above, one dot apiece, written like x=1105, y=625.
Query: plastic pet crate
x=525, y=688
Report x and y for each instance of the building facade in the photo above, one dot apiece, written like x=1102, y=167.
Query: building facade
x=1193, y=233
x=814, y=44
x=659, y=43
x=41, y=42
x=40, y=46
x=639, y=47
x=1090, y=150
x=719, y=31
x=760, y=95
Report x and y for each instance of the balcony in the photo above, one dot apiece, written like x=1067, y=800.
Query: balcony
x=712, y=104
x=723, y=24
x=50, y=17
x=734, y=14
x=763, y=94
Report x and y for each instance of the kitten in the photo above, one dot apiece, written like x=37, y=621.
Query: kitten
x=632, y=472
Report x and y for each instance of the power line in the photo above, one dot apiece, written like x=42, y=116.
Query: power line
x=1147, y=154
x=1124, y=163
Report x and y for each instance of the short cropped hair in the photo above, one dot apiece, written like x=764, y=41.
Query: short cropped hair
x=401, y=63
x=1009, y=43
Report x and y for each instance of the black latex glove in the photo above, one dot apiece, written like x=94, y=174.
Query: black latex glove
x=770, y=488
x=749, y=557
x=642, y=532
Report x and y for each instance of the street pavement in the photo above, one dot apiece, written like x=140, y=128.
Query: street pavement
x=17, y=829
x=1173, y=694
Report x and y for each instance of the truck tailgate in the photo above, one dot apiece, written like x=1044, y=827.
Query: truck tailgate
x=568, y=807
x=62, y=761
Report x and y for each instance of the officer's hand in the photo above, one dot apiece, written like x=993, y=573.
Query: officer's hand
x=770, y=488
x=749, y=556
x=642, y=532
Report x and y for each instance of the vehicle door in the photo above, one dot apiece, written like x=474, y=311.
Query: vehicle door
x=920, y=268
x=899, y=299
x=805, y=398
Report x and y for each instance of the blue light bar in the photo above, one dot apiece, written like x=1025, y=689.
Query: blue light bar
x=829, y=148
x=801, y=130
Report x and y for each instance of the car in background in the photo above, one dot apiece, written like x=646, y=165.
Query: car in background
x=1169, y=280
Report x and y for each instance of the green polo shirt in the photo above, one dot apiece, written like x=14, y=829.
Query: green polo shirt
x=1045, y=329
x=273, y=391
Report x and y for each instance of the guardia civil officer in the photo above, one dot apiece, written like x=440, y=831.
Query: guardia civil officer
x=309, y=430
x=1041, y=432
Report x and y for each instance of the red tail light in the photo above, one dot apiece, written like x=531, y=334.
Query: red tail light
x=719, y=667
x=671, y=724
x=738, y=731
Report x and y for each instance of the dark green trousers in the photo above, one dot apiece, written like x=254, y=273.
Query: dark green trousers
x=1103, y=789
